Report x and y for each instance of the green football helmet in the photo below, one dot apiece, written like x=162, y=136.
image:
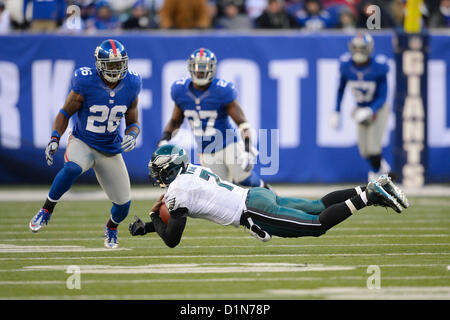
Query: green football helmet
x=167, y=162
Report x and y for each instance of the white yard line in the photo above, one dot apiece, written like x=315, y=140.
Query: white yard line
x=304, y=191
x=44, y=237
x=193, y=268
x=237, y=256
x=227, y=279
x=7, y=248
x=346, y=293
x=349, y=293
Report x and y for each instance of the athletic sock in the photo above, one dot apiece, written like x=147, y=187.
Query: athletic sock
x=357, y=202
x=338, y=212
x=49, y=205
x=375, y=162
x=341, y=195
x=111, y=224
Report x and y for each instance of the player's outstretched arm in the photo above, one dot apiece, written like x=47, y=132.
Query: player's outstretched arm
x=174, y=123
x=173, y=231
x=140, y=228
x=73, y=103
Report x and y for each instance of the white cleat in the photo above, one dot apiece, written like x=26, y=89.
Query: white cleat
x=39, y=219
x=111, y=238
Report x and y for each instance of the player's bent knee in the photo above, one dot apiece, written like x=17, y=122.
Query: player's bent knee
x=120, y=211
x=71, y=169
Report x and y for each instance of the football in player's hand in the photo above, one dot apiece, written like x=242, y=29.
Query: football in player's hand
x=164, y=213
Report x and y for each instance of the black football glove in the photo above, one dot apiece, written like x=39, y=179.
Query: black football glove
x=137, y=228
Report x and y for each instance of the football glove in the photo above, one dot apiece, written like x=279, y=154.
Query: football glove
x=334, y=120
x=51, y=149
x=363, y=115
x=137, y=228
x=129, y=142
x=248, y=158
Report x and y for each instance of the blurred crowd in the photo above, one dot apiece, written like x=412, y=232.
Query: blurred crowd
x=90, y=16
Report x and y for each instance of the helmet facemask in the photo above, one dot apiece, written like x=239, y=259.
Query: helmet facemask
x=113, y=68
x=163, y=170
x=202, y=70
x=361, y=49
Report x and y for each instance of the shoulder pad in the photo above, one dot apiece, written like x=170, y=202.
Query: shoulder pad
x=134, y=74
x=84, y=72
x=345, y=57
x=381, y=59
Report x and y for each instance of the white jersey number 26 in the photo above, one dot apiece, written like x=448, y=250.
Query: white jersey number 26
x=104, y=119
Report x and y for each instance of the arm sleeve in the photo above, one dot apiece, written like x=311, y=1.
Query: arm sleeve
x=174, y=93
x=76, y=83
x=340, y=93
x=172, y=232
x=229, y=93
x=149, y=227
x=381, y=94
x=138, y=86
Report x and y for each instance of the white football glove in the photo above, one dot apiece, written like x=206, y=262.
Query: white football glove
x=248, y=159
x=128, y=143
x=51, y=150
x=363, y=115
x=334, y=120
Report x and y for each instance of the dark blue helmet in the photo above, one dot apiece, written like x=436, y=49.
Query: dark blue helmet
x=361, y=47
x=202, y=66
x=111, y=60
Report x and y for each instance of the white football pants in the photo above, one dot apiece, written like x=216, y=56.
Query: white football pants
x=110, y=170
x=226, y=163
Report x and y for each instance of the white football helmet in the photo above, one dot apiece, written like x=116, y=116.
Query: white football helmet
x=361, y=47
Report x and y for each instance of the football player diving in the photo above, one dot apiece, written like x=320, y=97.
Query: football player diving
x=208, y=103
x=100, y=97
x=367, y=77
x=197, y=192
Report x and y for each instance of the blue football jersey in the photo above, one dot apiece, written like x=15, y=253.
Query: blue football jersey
x=368, y=83
x=205, y=111
x=103, y=108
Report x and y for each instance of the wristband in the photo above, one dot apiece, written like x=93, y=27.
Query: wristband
x=133, y=133
x=64, y=113
x=55, y=135
x=133, y=125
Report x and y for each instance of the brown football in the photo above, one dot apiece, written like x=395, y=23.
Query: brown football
x=164, y=213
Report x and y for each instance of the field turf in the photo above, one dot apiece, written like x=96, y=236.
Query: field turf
x=410, y=252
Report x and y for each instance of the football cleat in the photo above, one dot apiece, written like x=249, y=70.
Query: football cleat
x=111, y=238
x=38, y=221
x=257, y=232
x=380, y=197
x=386, y=182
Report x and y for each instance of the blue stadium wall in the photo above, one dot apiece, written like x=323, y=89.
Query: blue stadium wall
x=286, y=83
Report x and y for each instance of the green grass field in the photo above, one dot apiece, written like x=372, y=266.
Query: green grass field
x=411, y=250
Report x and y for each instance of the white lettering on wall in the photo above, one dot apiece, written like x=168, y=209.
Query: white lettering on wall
x=144, y=68
x=288, y=74
x=246, y=78
x=438, y=132
x=50, y=85
x=9, y=113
